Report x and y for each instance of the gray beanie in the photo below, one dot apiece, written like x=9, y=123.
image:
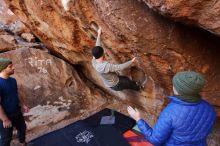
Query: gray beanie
x=4, y=63
x=188, y=84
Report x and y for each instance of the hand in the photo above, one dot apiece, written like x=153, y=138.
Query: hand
x=99, y=31
x=7, y=123
x=134, y=113
x=25, y=108
x=133, y=60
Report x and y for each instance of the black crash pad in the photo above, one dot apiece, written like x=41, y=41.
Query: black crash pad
x=89, y=132
x=122, y=122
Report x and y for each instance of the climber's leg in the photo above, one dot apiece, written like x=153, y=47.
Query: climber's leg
x=125, y=83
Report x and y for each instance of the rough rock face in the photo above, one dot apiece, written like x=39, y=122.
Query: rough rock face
x=9, y=20
x=10, y=29
x=6, y=15
x=10, y=39
x=7, y=42
x=203, y=13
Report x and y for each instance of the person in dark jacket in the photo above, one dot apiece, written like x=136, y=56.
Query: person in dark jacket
x=186, y=120
x=10, y=106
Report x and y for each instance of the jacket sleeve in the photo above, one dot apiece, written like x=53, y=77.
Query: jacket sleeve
x=116, y=67
x=161, y=130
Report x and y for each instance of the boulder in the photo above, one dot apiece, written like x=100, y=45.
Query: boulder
x=202, y=13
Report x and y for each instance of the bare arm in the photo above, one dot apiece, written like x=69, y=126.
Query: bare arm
x=98, y=40
x=3, y=116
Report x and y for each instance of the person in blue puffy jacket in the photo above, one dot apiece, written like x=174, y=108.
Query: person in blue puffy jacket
x=186, y=120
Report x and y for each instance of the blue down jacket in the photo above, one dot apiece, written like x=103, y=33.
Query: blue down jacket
x=181, y=124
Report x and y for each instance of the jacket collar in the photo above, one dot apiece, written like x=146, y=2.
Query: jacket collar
x=178, y=101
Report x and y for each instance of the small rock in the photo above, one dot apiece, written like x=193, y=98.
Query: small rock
x=28, y=37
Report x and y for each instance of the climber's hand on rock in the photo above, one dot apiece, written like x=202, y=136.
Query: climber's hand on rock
x=134, y=113
x=133, y=60
x=99, y=31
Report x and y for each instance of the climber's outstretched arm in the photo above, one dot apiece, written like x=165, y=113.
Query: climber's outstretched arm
x=98, y=40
